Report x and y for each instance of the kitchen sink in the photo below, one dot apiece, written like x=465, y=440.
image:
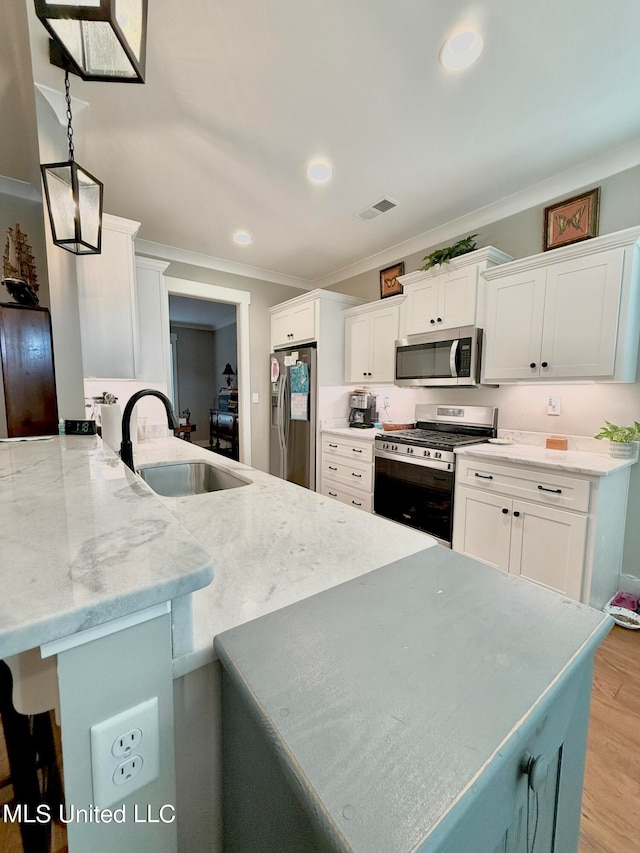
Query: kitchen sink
x=176, y=479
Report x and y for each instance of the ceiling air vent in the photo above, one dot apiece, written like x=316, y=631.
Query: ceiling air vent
x=376, y=209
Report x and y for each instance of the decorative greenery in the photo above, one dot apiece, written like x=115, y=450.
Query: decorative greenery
x=443, y=256
x=620, y=434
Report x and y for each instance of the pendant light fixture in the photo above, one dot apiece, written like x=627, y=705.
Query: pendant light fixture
x=97, y=39
x=74, y=199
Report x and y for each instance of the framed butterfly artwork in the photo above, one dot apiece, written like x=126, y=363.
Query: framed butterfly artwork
x=571, y=220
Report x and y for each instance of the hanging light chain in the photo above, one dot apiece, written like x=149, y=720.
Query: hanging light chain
x=69, y=128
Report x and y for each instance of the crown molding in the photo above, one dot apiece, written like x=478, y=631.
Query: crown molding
x=196, y=259
x=595, y=169
x=19, y=189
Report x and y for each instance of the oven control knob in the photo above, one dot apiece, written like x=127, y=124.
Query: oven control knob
x=409, y=449
x=394, y=446
x=437, y=454
x=385, y=446
x=427, y=453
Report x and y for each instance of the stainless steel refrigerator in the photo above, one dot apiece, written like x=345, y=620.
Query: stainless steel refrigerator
x=293, y=415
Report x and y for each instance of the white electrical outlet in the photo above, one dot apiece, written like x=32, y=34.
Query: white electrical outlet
x=125, y=753
x=553, y=406
x=387, y=401
x=255, y=397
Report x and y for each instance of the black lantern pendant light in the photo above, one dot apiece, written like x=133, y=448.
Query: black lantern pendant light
x=99, y=40
x=74, y=200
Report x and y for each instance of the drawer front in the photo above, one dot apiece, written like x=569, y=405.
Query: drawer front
x=336, y=445
x=338, y=493
x=545, y=487
x=354, y=476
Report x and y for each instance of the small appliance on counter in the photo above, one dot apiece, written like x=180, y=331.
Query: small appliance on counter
x=363, y=414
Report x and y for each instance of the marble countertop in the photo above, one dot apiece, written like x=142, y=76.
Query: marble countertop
x=84, y=542
x=352, y=432
x=574, y=461
x=272, y=543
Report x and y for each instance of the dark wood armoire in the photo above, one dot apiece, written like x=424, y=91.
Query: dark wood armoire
x=28, y=402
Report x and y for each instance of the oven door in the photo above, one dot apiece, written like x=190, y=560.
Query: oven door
x=415, y=495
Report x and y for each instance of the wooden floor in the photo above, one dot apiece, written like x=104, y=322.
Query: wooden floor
x=611, y=798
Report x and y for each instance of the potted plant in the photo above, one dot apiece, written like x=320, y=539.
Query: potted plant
x=622, y=440
x=443, y=256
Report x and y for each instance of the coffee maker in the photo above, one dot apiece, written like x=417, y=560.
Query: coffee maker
x=363, y=410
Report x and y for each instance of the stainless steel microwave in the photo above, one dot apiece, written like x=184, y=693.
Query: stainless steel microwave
x=445, y=357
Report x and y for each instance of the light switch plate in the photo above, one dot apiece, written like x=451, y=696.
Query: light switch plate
x=553, y=407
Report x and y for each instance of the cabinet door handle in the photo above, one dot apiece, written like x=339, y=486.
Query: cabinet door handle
x=484, y=476
x=516, y=514
x=355, y=475
x=332, y=445
x=333, y=494
x=555, y=491
x=545, y=364
x=533, y=364
x=356, y=503
x=505, y=510
x=355, y=450
x=433, y=322
x=332, y=468
x=439, y=319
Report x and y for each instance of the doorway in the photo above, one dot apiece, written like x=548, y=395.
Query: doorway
x=201, y=300
x=204, y=368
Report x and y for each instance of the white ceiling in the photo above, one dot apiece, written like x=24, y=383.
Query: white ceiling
x=241, y=95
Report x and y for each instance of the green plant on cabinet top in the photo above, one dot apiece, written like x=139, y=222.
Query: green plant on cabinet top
x=443, y=256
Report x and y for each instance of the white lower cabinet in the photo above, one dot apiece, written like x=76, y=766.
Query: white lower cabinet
x=347, y=471
x=541, y=544
x=562, y=531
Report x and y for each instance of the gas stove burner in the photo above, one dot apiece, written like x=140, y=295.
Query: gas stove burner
x=432, y=438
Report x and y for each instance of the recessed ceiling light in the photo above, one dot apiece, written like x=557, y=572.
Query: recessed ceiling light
x=319, y=171
x=242, y=238
x=461, y=50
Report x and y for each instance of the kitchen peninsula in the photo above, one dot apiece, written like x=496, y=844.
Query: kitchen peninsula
x=272, y=544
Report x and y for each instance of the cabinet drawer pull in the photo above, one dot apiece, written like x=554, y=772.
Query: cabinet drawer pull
x=355, y=450
x=505, y=510
x=333, y=494
x=332, y=468
x=555, y=491
x=484, y=476
x=356, y=503
x=355, y=475
x=545, y=364
x=332, y=445
x=516, y=514
x=533, y=364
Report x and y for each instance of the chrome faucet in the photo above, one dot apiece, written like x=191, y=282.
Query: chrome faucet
x=126, y=448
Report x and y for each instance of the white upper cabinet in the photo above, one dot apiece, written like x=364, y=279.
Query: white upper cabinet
x=568, y=314
x=316, y=316
x=294, y=324
x=370, y=334
x=449, y=295
x=107, y=302
x=121, y=301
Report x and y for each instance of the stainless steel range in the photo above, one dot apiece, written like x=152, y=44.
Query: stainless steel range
x=414, y=468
